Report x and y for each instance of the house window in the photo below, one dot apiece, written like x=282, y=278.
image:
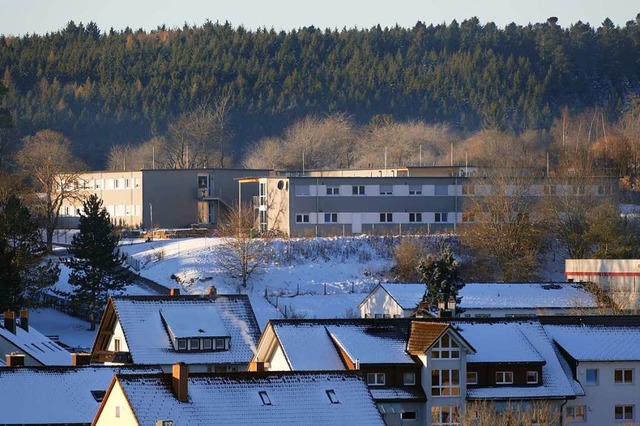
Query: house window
x=117, y=411
x=98, y=395
x=265, y=398
x=116, y=344
x=332, y=396
x=376, y=379
x=386, y=217
x=333, y=190
x=409, y=379
x=182, y=344
x=331, y=217
x=206, y=344
x=415, y=217
x=386, y=189
x=623, y=412
x=357, y=190
x=441, y=217
x=194, y=344
x=445, y=382
x=441, y=190
x=623, y=376
x=532, y=377
x=302, y=218
x=203, y=182
x=220, y=344
x=445, y=416
x=445, y=348
x=472, y=377
x=408, y=415
x=592, y=376
x=575, y=413
x=116, y=183
x=504, y=377
x=468, y=190
x=415, y=189
x=302, y=190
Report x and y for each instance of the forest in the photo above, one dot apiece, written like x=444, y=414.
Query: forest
x=106, y=88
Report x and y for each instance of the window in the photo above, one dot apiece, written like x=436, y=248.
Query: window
x=592, y=376
x=415, y=217
x=532, y=377
x=116, y=344
x=549, y=190
x=445, y=348
x=302, y=218
x=445, y=416
x=182, y=344
x=127, y=183
x=206, y=344
x=265, y=398
x=333, y=190
x=441, y=217
x=472, y=377
x=441, y=190
x=504, y=377
x=302, y=190
x=408, y=415
x=468, y=190
x=415, y=189
x=623, y=376
x=116, y=183
x=445, y=382
x=575, y=413
x=386, y=189
x=98, y=395
x=357, y=189
x=386, y=217
x=409, y=379
x=376, y=379
x=203, y=182
x=220, y=344
x=332, y=396
x=331, y=217
x=194, y=344
x=624, y=412
x=117, y=411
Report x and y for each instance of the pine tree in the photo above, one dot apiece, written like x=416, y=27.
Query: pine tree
x=96, y=267
x=441, y=275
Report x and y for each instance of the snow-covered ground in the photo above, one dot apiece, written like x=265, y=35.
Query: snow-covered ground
x=71, y=330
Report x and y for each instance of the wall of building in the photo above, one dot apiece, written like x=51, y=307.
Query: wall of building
x=118, y=333
x=6, y=347
x=381, y=303
x=621, y=277
x=116, y=410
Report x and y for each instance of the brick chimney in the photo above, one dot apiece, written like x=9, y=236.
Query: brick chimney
x=174, y=292
x=212, y=291
x=80, y=358
x=10, y=321
x=24, y=319
x=14, y=359
x=180, y=381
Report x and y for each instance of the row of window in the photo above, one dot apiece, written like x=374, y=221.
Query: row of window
x=114, y=211
x=622, y=376
x=503, y=377
x=202, y=344
x=439, y=217
x=578, y=413
x=379, y=379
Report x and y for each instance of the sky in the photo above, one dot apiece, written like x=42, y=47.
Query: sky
x=20, y=17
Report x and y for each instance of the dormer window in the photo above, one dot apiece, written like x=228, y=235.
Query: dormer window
x=194, y=344
x=221, y=344
x=206, y=344
x=201, y=330
x=182, y=344
x=446, y=348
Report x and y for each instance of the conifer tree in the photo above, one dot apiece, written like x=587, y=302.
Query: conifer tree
x=96, y=267
x=441, y=275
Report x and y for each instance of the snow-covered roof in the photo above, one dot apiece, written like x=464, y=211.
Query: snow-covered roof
x=525, y=296
x=313, y=345
x=54, y=395
x=201, y=322
x=398, y=394
x=532, y=344
x=293, y=399
x=148, y=340
x=36, y=345
x=407, y=295
x=597, y=342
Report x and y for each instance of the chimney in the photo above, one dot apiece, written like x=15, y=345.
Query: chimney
x=14, y=359
x=180, y=381
x=10, y=321
x=24, y=319
x=79, y=359
x=174, y=292
x=260, y=367
x=212, y=291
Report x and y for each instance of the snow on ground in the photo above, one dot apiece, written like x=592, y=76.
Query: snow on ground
x=71, y=330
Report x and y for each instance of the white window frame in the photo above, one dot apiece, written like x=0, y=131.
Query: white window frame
x=623, y=414
x=597, y=377
x=415, y=189
x=575, y=413
x=439, y=416
x=415, y=217
x=623, y=379
x=473, y=374
x=409, y=378
x=441, y=217
x=447, y=385
x=504, y=377
x=445, y=348
x=386, y=189
x=534, y=374
x=386, y=217
x=333, y=190
x=357, y=190
x=333, y=218
x=302, y=217
x=376, y=379
x=182, y=344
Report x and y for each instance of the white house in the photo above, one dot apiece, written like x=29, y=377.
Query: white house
x=605, y=360
x=392, y=300
x=213, y=332
x=292, y=398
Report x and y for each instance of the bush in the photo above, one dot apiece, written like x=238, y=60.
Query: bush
x=407, y=256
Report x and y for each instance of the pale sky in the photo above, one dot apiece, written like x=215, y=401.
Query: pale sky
x=19, y=17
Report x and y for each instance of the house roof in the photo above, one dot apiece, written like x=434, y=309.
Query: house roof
x=295, y=399
x=313, y=345
x=555, y=382
x=424, y=335
x=54, y=395
x=406, y=295
x=525, y=296
x=398, y=394
x=36, y=345
x=597, y=343
x=141, y=319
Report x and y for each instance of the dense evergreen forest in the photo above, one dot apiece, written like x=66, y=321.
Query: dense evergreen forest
x=123, y=87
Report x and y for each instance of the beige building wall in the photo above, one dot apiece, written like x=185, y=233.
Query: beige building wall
x=116, y=410
x=120, y=192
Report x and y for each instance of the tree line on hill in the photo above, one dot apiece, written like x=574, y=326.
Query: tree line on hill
x=102, y=89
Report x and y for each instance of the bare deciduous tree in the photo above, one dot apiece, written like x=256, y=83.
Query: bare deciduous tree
x=54, y=172
x=148, y=155
x=480, y=413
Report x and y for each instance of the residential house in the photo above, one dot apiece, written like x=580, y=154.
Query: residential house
x=212, y=332
x=68, y=395
x=274, y=398
x=21, y=344
x=388, y=300
x=603, y=356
